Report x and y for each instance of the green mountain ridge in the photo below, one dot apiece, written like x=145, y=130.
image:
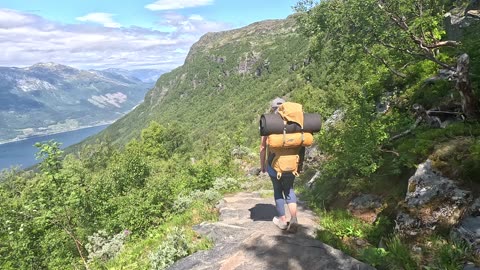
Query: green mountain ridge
x=226, y=82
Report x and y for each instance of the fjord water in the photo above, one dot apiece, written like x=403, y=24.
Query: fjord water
x=22, y=153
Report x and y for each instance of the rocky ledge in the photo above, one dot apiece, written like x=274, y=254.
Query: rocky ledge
x=246, y=238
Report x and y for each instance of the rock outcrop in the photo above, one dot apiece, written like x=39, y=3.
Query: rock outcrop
x=468, y=229
x=460, y=18
x=432, y=201
x=246, y=238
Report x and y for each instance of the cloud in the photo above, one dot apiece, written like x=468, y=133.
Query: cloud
x=26, y=39
x=10, y=18
x=102, y=18
x=191, y=24
x=177, y=4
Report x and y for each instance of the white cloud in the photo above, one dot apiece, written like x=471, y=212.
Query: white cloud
x=10, y=18
x=104, y=19
x=177, y=4
x=191, y=24
x=195, y=17
x=26, y=39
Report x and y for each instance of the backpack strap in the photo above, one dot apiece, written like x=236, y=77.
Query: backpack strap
x=279, y=175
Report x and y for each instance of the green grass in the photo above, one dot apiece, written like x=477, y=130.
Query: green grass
x=400, y=256
x=376, y=257
x=451, y=256
x=444, y=253
x=435, y=252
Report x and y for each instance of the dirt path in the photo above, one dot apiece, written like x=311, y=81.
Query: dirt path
x=245, y=238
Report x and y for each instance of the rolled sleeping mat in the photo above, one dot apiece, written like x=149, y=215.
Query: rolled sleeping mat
x=273, y=124
x=290, y=140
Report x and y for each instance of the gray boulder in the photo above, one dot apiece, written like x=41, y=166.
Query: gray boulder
x=336, y=117
x=253, y=171
x=460, y=18
x=469, y=231
x=432, y=201
x=469, y=228
x=366, y=207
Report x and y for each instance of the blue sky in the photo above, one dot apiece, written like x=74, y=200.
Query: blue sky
x=120, y=33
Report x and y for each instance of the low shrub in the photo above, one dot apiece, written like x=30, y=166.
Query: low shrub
x=101, y=246
x=174, y=247
x=225, y=184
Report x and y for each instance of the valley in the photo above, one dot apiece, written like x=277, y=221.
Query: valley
x=49, y=98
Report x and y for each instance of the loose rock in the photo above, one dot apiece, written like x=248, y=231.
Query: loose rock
x=366, y=207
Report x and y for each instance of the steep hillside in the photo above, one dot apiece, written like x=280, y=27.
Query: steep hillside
x=225, y=83
x=49, y=97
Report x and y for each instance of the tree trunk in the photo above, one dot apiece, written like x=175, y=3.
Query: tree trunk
x=469, y=101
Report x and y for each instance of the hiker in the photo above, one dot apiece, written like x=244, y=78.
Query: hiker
x=283, y=187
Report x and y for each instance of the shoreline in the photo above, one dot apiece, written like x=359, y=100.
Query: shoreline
x=53, y=133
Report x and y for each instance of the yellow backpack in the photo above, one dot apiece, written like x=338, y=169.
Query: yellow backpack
x=286, y=160
x=291, y=112
x=286, y=147
x=290, y=140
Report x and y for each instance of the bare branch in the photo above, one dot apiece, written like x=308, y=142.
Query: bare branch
x=430, y=112
x=427, y=49
x=405, y=66
x=428, y=55
x=398, y=21
x=390, y=151
x=419, y=6
x=407, y=51
x=78, y=245
x=432, y=58
x=446, y=43
x=408, y=131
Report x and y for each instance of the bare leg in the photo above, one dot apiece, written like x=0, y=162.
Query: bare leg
x=292, y=207
x=293, y=224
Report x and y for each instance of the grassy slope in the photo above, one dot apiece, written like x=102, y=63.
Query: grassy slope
x=213, y=92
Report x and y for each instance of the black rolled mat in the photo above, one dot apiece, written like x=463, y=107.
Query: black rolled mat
x=273, y=124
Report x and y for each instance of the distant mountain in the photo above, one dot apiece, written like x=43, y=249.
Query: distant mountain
x=145, y=75
x=47, y=98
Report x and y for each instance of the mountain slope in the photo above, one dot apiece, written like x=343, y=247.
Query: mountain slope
x=225, y=83
x=49, y=97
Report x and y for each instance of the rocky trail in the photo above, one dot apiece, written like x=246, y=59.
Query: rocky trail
x=245, y=238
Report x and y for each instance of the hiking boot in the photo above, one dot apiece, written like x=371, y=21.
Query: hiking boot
x=292, y=225
x=280, y=224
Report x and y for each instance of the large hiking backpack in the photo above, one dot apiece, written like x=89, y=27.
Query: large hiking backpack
x=286, y=147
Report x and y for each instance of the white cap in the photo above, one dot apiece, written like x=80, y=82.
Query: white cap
x=277, y=102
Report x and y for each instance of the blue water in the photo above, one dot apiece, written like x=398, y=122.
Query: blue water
x=22, y=153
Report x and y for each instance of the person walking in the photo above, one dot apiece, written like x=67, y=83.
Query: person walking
x=282, y=188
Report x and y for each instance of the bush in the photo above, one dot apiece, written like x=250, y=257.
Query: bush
x=175, y=246
x=184, y=202
x=100, y=246
x=225, y=184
